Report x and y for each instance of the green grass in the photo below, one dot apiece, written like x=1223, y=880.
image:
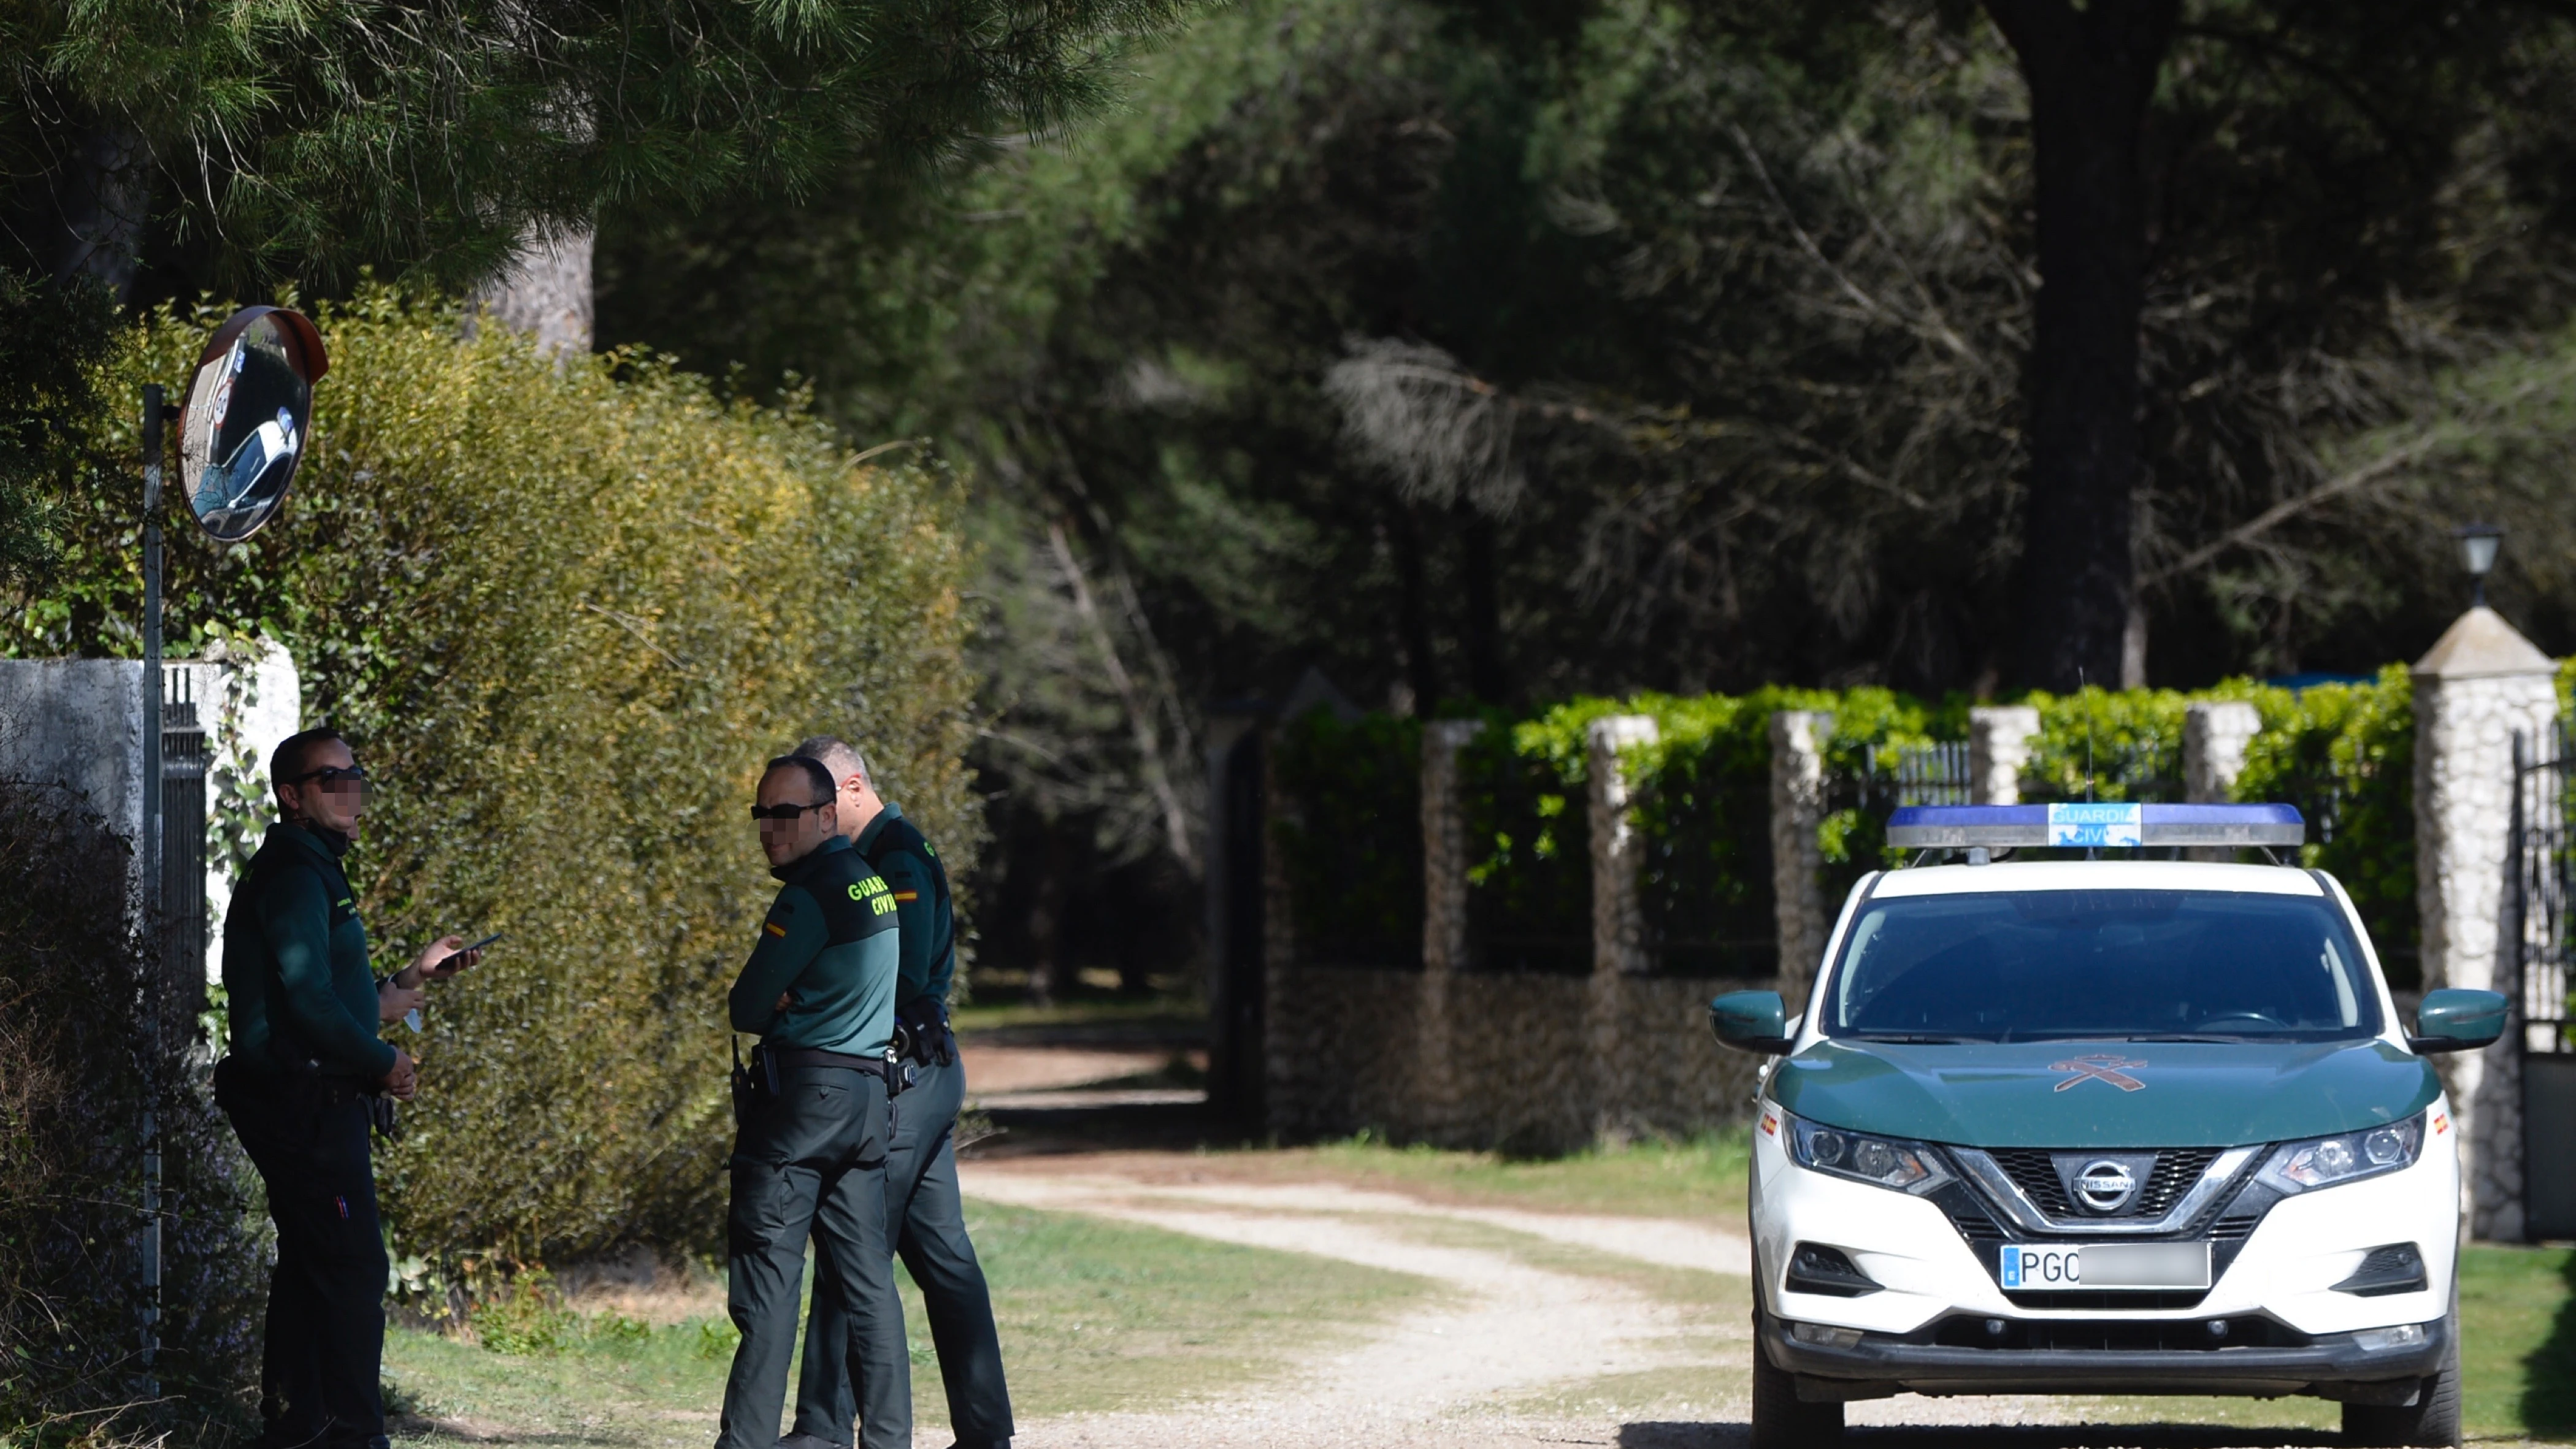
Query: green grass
x=1093, y=1315
x=2518, y=1332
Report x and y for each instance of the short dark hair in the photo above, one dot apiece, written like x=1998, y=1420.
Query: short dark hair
x=825, y=792
x=294, y=754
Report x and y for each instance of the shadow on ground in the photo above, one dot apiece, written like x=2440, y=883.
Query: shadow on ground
x=2549, y=1373
x=2033, y=1436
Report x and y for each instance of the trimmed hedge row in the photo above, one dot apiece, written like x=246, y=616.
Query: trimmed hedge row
x=2343, y=753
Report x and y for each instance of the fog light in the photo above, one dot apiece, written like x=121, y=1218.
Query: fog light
x=1824, y=1337
x=1994, y=1328
x=2218, y=1328
x=2404, y=1335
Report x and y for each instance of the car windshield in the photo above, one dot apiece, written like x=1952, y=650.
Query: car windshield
x=2102, y=964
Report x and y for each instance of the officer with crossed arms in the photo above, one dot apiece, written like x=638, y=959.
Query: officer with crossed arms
x=813, y=1119
x=923, y=1210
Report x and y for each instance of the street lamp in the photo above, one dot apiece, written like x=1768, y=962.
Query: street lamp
x=2478, y=545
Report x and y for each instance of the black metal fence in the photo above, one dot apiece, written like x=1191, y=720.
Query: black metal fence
x=183, y=849
x=2544, y=860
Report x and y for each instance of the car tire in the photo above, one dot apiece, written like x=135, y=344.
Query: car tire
x=1780, y=1419
x=2431, y=1422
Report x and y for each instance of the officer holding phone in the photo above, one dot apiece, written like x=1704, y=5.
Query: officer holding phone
x=813, y=1117
x=303, y=1066
x=923, y=1208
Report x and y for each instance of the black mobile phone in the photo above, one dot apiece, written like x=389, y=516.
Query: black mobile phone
x=479, y=945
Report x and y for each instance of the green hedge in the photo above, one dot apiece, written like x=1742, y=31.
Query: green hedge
x=2345, y=755
x=564, y=608
x=2341, y=753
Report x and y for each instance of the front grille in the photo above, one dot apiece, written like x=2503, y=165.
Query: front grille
x=2111, y=1298
x=2034, y=1171
x=2112, y=1335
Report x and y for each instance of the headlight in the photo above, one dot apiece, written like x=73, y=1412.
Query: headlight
x=1886, y=1161
x=2349, y=1157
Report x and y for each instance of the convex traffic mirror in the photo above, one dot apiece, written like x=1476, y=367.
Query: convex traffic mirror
x=248, y=418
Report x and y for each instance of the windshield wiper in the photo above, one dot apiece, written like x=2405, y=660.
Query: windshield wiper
x=2192, y=1036
x=1910, y=1038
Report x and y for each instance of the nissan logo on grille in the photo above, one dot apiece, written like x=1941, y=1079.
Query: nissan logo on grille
x=2105, y=1186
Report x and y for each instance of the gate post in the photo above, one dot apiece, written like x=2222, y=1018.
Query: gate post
x=1444, y=921
x=1618, y=932
x=2480, y=685
x=1999, y=739
x=1797, y=810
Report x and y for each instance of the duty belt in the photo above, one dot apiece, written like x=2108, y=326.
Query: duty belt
x=815, y=1057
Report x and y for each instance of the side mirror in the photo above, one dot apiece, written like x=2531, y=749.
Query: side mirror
x=2453, y=1020
x=1753, y=1021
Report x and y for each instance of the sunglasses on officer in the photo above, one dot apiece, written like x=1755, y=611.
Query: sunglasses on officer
x=334, y=778
x=785, y=812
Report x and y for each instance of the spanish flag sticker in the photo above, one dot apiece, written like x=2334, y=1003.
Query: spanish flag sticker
x=907, y=895
x=1770, y=1125
x=773, y=928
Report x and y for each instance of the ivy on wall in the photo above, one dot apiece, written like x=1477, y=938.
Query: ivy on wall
x=1701, y=802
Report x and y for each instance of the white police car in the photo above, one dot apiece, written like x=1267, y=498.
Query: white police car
x=2104, y=1126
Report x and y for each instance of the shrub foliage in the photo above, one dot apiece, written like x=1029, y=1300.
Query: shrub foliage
x=565, y=609
x=73, y=1071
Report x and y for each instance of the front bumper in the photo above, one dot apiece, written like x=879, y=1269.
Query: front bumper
x=1929, y=1278
x=2333, y=1367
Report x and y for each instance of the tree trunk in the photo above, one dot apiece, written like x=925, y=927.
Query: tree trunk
x=546, y=292
x=1487, y=678
x=86, y=220
x=1412, y=608
x=2091, y=72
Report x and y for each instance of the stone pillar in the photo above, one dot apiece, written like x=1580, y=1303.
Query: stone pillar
x=2215, y=735
x=253, y=700
x=1444, y=920
x=1797, y=809
x=2481, y=684
x=1618, y=930
x=1618, y=926
x=1999, y=739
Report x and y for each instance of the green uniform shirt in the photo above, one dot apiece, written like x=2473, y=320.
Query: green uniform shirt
x=831, y=940
x=911, y=870
x=296, y=982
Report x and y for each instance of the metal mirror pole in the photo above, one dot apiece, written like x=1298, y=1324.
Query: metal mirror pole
x=153, y=984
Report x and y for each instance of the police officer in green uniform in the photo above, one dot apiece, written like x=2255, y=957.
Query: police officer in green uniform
x=813, y=1117
x=303, y=1059
x=927, y=1217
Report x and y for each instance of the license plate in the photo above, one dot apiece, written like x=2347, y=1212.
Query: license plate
x=2036, y=1267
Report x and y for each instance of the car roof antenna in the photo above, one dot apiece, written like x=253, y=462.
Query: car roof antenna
x=2086, y=691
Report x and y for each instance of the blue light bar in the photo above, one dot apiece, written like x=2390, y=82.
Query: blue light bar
x=2106, y=825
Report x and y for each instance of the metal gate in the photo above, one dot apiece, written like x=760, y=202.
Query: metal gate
x=2543, y=868
x=183, y=851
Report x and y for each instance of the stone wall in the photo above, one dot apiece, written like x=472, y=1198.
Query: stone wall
x=1523, y=1046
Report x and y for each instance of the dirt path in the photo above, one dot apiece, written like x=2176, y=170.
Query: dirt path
x=1515, y=1352
x=1503, y=1329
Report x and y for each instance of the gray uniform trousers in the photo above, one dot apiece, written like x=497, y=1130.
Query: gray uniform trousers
x=812, y=1161
x=929, y=1222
